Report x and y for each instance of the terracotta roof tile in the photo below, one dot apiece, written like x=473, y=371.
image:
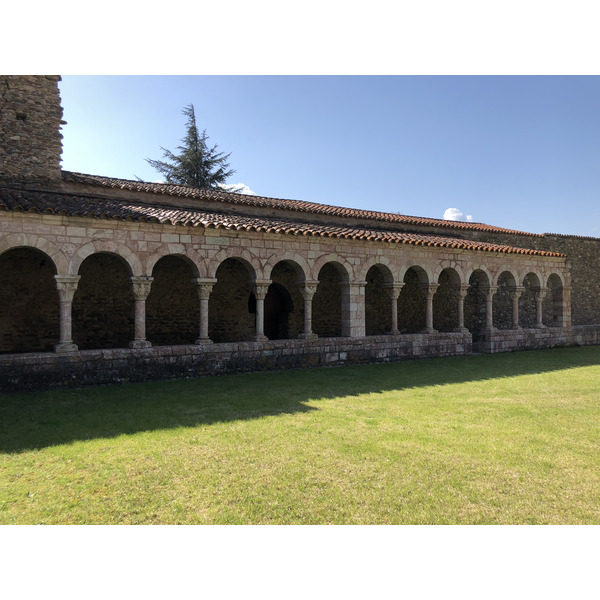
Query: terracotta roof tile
x=105, y=208
x=217, y=196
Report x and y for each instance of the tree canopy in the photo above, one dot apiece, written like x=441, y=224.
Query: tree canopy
x=197, y=164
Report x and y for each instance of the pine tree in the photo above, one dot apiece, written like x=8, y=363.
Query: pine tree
x=197, y=164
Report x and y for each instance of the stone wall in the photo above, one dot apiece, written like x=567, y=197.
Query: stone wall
x=92, y=367
x=30, y=119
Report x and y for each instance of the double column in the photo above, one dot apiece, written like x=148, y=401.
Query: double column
x=204, y=286
x=393, y=290
x=430, y=290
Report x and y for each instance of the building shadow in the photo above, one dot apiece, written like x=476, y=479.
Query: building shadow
x=41, y=419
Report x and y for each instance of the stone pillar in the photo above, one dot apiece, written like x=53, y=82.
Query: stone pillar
x=260, y=292
x=141, y=290
x=205, y=287
x=566, y=308
x=353, y=309
x=393, y=290
x=515, y=295
x=430, y=289
x=539, y=296
x=462, y=294
x=489, y=307
x=66, y=286
x=308, y=291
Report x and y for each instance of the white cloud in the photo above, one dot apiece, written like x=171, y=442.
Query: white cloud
x=453, y=214
x=241, y=187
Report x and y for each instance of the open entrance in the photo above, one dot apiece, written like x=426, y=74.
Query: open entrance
x=29, y=304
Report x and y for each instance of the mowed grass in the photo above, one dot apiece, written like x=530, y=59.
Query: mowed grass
x=511, y=438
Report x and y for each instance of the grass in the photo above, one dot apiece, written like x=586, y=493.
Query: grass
x=511, y=438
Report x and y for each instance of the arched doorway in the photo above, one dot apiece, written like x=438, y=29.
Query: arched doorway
x=29, y=304
x=278, y=306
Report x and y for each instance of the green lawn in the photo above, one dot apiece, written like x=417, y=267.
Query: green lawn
x=511, y=438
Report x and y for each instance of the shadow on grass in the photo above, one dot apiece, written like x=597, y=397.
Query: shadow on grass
x=41, y=419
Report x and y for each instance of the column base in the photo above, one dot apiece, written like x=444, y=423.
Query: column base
x=308, y=336
x=393, y=332
x=461, y=330
x=428, y=330
x=65, y=347
x=203, y=342
x=542, y=326
x=261, y=337
x=138, y=344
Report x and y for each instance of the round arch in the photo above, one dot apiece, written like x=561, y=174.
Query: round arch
x=53, y=252
x=124, y=252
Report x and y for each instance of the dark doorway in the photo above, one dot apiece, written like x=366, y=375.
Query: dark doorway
x=278, y=305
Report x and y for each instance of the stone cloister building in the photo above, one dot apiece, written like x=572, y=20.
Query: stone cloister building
x=105, y=280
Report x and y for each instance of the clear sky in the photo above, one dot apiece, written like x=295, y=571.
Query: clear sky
x=515, y=151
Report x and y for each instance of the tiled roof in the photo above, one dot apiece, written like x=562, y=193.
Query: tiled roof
x=182, y=191
x=124, y=210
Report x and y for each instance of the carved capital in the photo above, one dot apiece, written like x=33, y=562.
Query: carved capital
x=516, y=293
x=308, y=290
x=261, y=287
x=205, y=286
x=463, y=290
x=393, y=290
x=66, y=286
x=430, y=288
x=141, y=287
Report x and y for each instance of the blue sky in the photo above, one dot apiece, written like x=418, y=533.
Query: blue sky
x=515, y=151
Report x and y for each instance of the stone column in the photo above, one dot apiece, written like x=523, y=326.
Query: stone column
x=204, y=286
x=489, y=307
x=141, y=290
x=308, y=291
x=539, y=296
x=515, y=295
x=66, y=286
x=393, y=290
x=260, y=292
x=462, y=294
x=430, y=290
x=565, y=320
x=353, y=309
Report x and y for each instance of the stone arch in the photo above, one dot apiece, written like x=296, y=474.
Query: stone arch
x=381, y=261
x=446, y=299
x=554, y=302
x=412, y=299
x=454, y=270
x=293, y=259
x=106, y=247
x=506, y=285
x=231, y=315
x=378, y=312
x=532, y=284
x=329, y=302
x=284, y=303
x=479, y=269
x=423, y=272
x=345, y=269
x=53, y=252
x=195, y=262
x=29, y=303
x=475, y=307
x=172, y=307
x=103, y=304
x=250, y=260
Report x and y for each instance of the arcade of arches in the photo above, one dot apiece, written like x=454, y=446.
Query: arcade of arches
x=104, y=304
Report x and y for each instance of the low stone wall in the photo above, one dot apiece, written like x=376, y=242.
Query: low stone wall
x=538, y=339
x=90, y=367
x=121, y=365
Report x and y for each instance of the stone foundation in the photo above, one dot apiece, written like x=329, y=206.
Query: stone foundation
x=122, y=365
